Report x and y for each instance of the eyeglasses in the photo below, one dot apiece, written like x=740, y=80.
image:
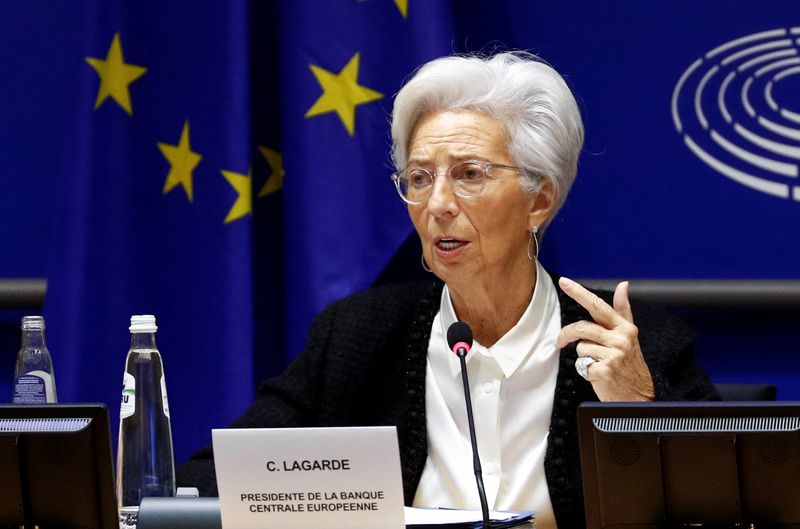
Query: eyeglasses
x=414, y=185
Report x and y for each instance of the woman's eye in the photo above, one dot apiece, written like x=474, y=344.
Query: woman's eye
x=418, y=178
x=470, y=173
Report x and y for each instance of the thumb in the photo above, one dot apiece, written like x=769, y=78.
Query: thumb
x=621, y=302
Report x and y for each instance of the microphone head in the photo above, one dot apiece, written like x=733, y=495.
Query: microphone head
x=459, y=335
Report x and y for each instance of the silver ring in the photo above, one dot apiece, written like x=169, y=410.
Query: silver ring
x=582, y=365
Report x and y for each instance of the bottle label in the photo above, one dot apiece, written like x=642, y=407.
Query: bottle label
x=35, y=387
x=164, y=400
x=128, y=404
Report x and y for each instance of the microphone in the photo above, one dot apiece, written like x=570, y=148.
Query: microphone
x=459, y=339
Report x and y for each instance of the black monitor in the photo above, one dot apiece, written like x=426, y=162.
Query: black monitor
x=56, y=467
x=657, y=465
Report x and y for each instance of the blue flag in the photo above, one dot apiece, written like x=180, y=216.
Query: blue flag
x=228, y=172
x=155, y=199
x=341, y=64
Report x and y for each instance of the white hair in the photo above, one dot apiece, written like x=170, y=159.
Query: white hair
x=529, y=98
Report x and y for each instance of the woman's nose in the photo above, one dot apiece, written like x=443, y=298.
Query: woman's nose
x=443, y=199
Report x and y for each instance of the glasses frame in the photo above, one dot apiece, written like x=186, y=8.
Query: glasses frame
x=484, y=165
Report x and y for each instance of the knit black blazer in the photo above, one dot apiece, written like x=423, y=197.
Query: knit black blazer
x=364, y=365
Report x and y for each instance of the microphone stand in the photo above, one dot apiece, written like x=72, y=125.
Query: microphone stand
x=476, y=460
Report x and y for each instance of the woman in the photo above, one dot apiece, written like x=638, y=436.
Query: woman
x=487, y=150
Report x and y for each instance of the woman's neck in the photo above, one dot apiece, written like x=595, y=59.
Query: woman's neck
x=491, y=309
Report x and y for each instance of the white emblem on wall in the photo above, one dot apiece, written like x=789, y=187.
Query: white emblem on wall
x=738, y=110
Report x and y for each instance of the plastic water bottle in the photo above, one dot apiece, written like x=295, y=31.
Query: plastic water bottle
x=34, y=380
x=145, y=464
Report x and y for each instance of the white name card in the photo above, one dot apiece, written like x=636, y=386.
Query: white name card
x=309, y=478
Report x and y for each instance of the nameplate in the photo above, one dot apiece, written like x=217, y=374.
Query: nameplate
x=309, y=478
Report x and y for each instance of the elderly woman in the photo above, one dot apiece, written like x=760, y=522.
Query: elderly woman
x=486, y=151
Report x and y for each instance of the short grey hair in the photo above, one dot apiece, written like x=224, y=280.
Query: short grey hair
x=528, y=97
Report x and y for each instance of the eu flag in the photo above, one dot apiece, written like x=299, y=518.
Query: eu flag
x=341, y=64
x=154, y=208
x=227, y=170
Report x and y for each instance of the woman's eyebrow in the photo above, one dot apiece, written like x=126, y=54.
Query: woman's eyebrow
x=452, y=158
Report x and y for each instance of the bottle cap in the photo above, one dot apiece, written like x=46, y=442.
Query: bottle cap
x=32, y=323
x=143, y=323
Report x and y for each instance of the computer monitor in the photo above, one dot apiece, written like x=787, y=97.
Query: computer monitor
x=56, y=467
x=656, y=465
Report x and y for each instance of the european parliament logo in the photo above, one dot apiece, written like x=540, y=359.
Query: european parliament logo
x=738, y=110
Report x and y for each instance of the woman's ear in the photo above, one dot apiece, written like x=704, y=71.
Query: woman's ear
x=542, y=204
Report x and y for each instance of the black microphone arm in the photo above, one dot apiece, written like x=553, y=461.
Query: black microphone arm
x=459, y=338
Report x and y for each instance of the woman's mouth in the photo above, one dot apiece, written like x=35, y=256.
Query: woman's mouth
x=449, y=244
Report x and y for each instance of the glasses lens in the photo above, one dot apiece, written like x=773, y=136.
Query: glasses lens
x=415, y=184
x=468, y=178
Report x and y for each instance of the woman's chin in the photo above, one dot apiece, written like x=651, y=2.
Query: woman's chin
x=454, y=273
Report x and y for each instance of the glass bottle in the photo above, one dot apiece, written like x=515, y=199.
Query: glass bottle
x=145, y=464
x=34, y=379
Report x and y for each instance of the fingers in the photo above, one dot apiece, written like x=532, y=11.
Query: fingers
x=614, y=326
x=600, y=311
x=596, y=351
x=612, y=340
x=590, y=331
x=622, y=302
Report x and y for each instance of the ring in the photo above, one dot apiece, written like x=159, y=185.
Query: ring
x=582, y=365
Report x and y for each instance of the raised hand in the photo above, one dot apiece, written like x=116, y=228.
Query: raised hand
x=619, y=372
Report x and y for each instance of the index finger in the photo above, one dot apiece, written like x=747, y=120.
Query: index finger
x=600, y=311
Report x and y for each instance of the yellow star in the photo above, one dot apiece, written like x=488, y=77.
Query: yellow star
x=244, y=203
x=115, y=76
x=342, y=93
x=402, y=5
x=182, y=161
x=275, y=181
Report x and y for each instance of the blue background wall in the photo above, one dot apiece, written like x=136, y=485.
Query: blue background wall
x=644, y=206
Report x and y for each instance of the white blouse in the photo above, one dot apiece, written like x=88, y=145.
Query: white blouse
x=512, y=387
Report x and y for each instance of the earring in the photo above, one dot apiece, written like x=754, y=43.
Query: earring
x=424, y=264
x=535, y=241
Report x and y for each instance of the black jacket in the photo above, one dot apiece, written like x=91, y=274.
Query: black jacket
x=364, y=365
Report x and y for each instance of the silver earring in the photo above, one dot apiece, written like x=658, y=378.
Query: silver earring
x=424, y=264
x=535, y=241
